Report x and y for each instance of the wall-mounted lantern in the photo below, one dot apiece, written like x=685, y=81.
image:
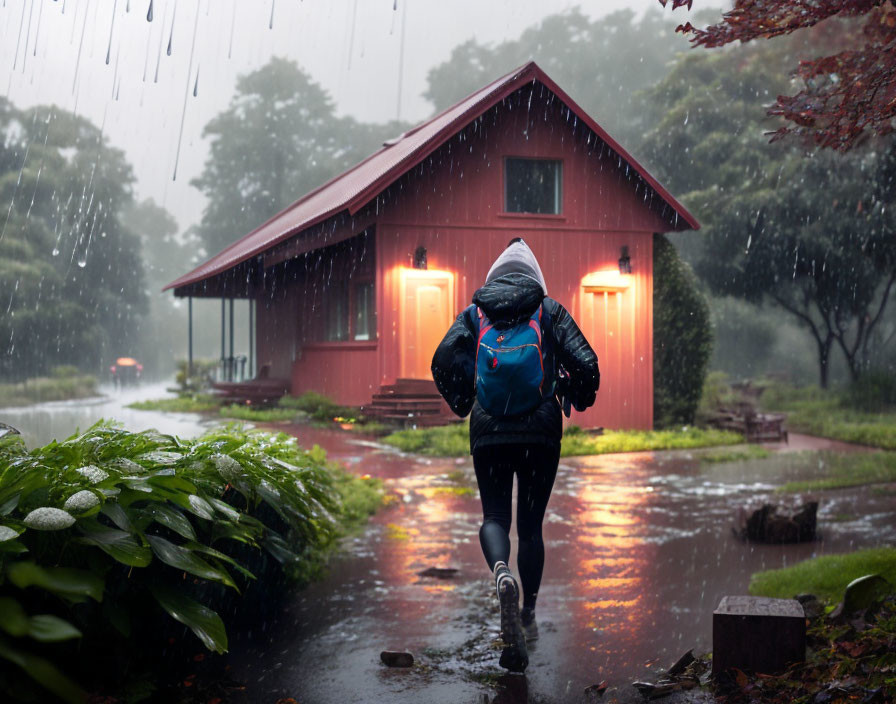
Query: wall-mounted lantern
x=625, y=262
x=420, y=257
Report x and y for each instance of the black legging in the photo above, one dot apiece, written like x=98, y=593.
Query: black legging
x=536, y=468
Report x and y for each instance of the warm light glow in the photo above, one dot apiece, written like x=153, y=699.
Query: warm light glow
x=426, y=273
x=609, y=280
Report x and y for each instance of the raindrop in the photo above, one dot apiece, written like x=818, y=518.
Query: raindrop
x=27, y=34
x=149, y=12
x=111, y=30
x=196, y=84
x=19, y=42
x=271, y=22
x=186, y=93
x=171, y=35
x=159, y=54
x=80, y=47
x=40, y=14
x=232, y=25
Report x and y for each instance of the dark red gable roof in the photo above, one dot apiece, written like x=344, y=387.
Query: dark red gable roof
x=356, y=187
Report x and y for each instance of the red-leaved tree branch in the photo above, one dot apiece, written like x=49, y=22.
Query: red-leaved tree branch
x=848, y=95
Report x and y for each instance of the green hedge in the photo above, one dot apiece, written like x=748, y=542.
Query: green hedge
x=682, y=338
x=105, y=533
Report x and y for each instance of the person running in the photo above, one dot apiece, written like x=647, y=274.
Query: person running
x=525, y=444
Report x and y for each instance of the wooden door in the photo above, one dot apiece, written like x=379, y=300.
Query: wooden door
x=427, y=304
x=602, y=324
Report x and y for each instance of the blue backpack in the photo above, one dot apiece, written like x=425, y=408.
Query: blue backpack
x=510, y=364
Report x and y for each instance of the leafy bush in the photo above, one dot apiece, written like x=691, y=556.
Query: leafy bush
x=185, y=403
x=259, y=415
x=682, y=338
x=202, y=376
x=103, y=533
x=64, y=370
x=41, y=389
x=318, y=406
x=824, y=413
x=874, y=391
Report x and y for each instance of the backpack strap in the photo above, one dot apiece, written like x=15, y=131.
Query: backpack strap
x=548, y=344
x=483, y=326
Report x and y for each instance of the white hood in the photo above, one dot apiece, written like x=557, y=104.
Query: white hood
x=517, y=259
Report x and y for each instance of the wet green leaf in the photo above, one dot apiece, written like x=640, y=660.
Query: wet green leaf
x=172, y=518
x=65, y=581
x=118, y=544
x=44, y=673
x=200, y=619
x=50, y=629
x=183, y=558
x=118, y=516
x=206, y=550
x=13, y=618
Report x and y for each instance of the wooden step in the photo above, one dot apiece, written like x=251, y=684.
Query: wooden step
x=421, y=386
x=416, y=402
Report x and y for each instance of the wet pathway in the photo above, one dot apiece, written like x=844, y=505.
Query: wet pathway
x=639, y=552
x=56, y=420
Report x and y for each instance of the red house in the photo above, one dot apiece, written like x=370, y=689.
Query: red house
x=356, y=282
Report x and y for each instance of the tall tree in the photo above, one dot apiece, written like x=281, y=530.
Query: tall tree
x=602, y=63
x=811, y=234
x=278, y=139
x=71, y=277
x=845, y=95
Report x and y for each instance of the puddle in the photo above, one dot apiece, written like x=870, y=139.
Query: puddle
x=639, y=551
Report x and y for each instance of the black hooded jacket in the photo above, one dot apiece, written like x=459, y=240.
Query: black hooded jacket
x=512, y=297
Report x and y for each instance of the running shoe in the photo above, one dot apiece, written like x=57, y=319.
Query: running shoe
x=530, y=626
x=514, y=657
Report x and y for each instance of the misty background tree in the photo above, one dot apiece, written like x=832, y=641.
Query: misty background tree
x=279, y=139
x=809, y=233
x=71, y=274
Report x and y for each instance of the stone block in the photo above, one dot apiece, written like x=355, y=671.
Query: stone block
x=757, y=634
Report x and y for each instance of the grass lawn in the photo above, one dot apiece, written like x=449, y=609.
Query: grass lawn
x=310, y=406
x=454, y=440
x=194, y=403
x=825, y=414
x=855, y=469
x=62, y=386
x=826, y=577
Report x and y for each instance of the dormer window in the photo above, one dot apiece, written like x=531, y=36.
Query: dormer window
x=532, y=186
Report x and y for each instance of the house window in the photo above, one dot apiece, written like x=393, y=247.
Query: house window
x=532, y=186
x=364, y=322
x=337, y=312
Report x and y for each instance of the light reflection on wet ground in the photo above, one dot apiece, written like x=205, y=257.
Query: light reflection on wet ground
x=639, y=552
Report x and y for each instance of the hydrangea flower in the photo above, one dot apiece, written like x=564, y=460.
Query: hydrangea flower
x=7, y=533
x=229, y=469
x=92, y=473
x=47, y=518
x=81, y=501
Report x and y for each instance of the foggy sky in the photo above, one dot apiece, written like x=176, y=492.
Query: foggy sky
x=55, y=52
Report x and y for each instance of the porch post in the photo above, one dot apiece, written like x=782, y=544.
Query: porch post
x=232, y=365
x=223, y=350
x=190, y=338
x=251, y=336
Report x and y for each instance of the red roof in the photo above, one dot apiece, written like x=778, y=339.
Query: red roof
x=356, y=187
